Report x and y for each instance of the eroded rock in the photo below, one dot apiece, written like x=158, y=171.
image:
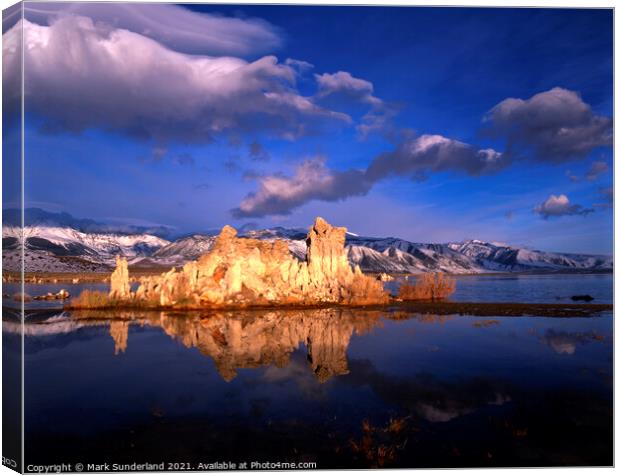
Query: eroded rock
x=246, y=272
x=119, y=280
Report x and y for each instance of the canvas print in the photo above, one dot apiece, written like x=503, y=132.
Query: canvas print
x=298, y=237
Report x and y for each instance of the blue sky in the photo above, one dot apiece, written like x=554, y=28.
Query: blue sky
x=431, y=124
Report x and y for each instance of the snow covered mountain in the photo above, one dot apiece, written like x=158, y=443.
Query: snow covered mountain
x=185, y=249
x=501, y=257
x=66, y=244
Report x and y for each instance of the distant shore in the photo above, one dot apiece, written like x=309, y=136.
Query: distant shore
x=136, y=273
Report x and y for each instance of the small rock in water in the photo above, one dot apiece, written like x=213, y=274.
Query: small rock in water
x=585, y=298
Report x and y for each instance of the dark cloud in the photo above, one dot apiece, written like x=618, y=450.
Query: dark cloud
x=560, y=205
x=553, y=126
x=416, y=156
x=313, y=180
x=174, y=26
x=84, y=74
x=258, y=152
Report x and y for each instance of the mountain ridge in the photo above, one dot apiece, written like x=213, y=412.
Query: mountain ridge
x=49, y=246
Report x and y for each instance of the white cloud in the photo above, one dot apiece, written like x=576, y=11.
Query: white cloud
x=174, y=26
x=82, y=74
x=416, y=156
x=559, y=205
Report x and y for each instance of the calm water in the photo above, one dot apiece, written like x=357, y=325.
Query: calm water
x=527, y=288
x=335, y=387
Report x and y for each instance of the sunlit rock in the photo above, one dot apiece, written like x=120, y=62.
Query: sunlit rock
x=246, y=272
x=119, y=280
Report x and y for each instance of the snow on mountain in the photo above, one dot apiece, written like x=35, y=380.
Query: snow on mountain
x=501, y=257
x=65, y=241
x=52, y=247
x=185, y=249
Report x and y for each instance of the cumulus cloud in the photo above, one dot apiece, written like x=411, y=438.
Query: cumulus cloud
x=174, y=26
x=597, y=169
x=342, y=85
x=416, y=156
x=313, y=180
x=560, y=205
x=552, y=126
x=83, y=74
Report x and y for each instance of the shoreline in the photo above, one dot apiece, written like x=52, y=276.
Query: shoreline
x=480, y=309
x=104, y=277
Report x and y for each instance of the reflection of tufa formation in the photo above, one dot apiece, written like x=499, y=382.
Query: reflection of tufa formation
x=251, y=340
x=244, y=272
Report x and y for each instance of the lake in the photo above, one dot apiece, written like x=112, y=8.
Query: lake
x=339, y=388
x=525, y=288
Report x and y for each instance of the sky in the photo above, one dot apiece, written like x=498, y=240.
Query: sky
x=429, y=124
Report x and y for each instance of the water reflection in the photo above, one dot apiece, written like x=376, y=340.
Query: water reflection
x=345, y=388
x=235, y=340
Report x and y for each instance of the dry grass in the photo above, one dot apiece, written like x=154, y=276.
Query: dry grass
x=433, y=286
x=91, y=299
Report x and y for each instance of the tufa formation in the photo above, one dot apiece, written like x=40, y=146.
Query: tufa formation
x=241, y=272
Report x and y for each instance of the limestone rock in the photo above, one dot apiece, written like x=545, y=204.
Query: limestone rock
x=250, y=272
x=119, y=280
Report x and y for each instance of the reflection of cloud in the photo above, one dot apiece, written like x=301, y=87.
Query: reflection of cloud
x=565, y=343
x=297, y=371
x=430, y=398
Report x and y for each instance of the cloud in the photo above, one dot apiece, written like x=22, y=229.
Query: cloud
x=313, y=180
x=597, y=169
x=83, y=74
x=173, y=26
x=416, y=156
x=556, y=206
x=552, y=126
x=342, y=85
x=259, y=152
x=301, y=66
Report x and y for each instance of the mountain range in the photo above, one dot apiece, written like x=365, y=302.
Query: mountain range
x=57, y=242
